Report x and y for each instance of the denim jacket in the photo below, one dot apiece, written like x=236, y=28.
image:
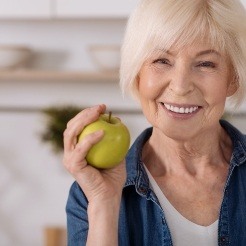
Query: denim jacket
x=142, y=220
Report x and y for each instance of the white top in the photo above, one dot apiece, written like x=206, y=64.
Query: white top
x=183, y=231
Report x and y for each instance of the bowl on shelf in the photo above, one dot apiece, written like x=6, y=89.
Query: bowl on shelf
x=105, y=57
x=13, y=56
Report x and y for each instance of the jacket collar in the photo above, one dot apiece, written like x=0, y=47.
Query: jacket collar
x=135, y=170
x=239, y=143
x=136, y=174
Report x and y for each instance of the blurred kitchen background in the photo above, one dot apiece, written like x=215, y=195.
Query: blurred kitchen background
x=54, y=54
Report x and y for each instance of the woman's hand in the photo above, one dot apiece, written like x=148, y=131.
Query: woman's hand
x=103, y=188
x=99, y=186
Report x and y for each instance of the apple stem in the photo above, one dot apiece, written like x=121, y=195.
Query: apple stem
x=109, y=116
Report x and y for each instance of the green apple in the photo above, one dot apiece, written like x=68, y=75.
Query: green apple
x=112, y=148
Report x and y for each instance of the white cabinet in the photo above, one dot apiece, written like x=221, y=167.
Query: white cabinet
x=94, y=8
x=36, y=9
x=12, y=9
x=244, y=3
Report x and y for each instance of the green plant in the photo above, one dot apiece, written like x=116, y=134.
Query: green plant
x=57, y=118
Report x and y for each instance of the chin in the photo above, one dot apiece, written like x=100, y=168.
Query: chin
x=180, y=132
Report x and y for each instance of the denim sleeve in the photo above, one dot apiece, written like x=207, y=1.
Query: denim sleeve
x=77, y=219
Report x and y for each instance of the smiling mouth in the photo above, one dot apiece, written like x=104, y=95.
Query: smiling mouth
x=180, y=110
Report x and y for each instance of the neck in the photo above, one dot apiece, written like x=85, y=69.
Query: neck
x=164, y=155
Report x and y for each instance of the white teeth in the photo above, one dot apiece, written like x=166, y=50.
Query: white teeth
x=187, y=110
x=176, y=109
x=181, y=110
x=168, y=106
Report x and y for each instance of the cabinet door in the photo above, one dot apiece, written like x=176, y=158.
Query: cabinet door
x=14, y=9
x=244, y=3
x=94, y=8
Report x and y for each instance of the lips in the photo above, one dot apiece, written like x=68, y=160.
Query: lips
x=181, y=109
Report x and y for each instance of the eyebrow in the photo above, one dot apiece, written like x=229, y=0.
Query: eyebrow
x=210, y=51
x=201, y=53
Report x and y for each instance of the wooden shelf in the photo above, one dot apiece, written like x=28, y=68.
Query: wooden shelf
x=39, y=75
x=37, y=109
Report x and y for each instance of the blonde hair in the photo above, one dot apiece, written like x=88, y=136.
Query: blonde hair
x=159, y=24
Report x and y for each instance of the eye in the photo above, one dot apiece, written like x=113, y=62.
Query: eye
x=207, y=64
x=162, y=61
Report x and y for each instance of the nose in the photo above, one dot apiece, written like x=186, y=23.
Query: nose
x=181, y=81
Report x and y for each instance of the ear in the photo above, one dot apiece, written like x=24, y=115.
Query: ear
x=137, y=81
x=233, y=86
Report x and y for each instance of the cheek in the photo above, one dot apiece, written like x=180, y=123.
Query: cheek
x=148, y=92
x=148, y=87
x=220, y=88
x=218, y=94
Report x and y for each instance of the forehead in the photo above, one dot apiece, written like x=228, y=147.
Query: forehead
x=196, y=48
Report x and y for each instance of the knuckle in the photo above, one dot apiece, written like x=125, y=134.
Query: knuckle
x=67, y=133
x=88, y=141
x=84, y=145
x=79, y=148
x=69, y=123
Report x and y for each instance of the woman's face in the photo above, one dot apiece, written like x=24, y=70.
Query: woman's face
x=183, y=92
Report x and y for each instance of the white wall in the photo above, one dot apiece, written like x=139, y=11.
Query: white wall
x=33, y=185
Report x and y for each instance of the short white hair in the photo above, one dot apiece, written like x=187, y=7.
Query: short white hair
x=159, y=24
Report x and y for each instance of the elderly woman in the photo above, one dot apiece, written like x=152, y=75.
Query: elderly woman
x=184, y=180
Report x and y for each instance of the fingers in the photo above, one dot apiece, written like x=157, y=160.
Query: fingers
x=98, y=109
x=75, y=162
x=75, y=153
x=77, y=124
x=82, y=148
x=98, y=185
